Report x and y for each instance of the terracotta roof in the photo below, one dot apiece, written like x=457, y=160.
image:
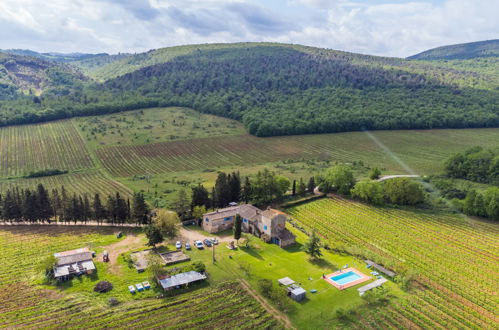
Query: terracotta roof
x=244, y=210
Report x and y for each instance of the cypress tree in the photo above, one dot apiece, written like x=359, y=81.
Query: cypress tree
x=121, y=209
x=237, y=227
x=247, y=191
x=99, y=213
x=293, y=191
x=11, y=209
x=111, y=208
x=302, y=189
x=140, y=210
x=56, y=204
x=222, y=190
x=66, y=205
x=235, y=187
x=43, y=203
x=199, y=197
x=29, y=206
x=311, y=185
x=87, y=211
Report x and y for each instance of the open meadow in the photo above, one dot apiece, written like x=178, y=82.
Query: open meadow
x=454, y=259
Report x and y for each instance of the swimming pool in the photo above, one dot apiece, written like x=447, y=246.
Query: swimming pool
x=345, y=278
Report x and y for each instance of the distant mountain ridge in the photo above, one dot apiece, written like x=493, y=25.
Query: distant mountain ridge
x=276, y=89
x=487, y=48
x=20, y=74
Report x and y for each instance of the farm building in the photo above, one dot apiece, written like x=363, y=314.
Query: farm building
x=73, y=263
x=270, y=225
x=296, y=293
x=180, y=280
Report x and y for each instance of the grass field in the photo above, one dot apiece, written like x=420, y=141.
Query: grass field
x=269, y=261
x=224, y=304
x=454, y=259
x=153, y=125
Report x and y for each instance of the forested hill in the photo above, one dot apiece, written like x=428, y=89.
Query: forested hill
x=488, y=48
x=282, y=89
x=32, y=75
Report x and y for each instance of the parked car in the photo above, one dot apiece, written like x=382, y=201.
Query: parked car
x=139, y=287
x=187, y=246
x=131, y=288
x=198, y=244
x=214, y=240
x=178, y=245
x=207, y=242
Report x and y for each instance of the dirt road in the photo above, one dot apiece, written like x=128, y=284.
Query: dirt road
x=128, y=243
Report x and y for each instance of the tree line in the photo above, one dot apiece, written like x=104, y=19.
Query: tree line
x=41, y=205
x=278, y=91
x=263, y=188
x=475, y=164
x=401, y=191
x=482, y=204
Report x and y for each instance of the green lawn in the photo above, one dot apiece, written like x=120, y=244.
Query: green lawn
x=271, y=262
x=153, y=125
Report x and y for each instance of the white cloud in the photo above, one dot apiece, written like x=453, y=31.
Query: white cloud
x=382, y=27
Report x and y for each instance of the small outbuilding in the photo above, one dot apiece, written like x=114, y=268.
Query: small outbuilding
x=73, y=263
x=180, y=280
x=285, y=281
x=296, y=293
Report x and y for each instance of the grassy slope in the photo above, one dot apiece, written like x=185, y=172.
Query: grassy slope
x=153, y=125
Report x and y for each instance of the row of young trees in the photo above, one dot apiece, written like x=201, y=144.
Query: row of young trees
x=58, y=205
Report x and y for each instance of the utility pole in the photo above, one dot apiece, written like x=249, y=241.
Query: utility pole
x=213, y=249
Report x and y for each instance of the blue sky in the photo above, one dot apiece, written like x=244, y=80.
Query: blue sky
x=379, y=27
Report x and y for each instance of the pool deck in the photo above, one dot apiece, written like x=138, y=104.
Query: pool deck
x=363, y=278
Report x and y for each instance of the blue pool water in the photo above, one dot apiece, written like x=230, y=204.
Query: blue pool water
x=346, y=278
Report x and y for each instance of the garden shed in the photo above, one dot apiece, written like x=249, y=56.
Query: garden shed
x=285, y=281
x=296, y=293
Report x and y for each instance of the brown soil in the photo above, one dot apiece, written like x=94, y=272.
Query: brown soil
x=128, y=243
x=269, y=308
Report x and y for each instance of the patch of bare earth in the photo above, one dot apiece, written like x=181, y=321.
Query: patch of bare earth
x=269, y=308
x=129, y=243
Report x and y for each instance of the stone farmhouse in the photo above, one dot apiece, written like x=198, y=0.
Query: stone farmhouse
x=269, y=225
